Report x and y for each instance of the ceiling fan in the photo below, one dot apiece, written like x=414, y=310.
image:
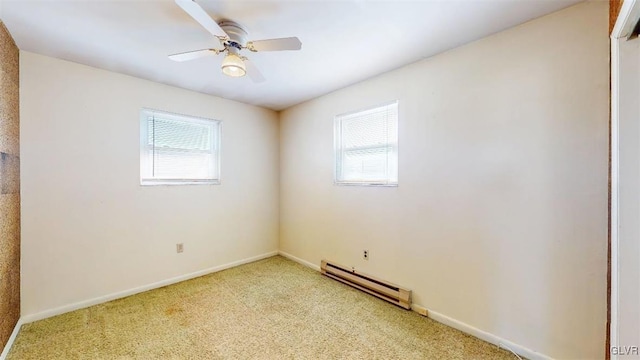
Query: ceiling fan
x=233, y=38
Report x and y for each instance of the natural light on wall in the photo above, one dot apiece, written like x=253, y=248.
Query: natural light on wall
x=178, y=149
x=366, y=146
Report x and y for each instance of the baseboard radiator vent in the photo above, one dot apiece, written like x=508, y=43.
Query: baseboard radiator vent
x=376, y=287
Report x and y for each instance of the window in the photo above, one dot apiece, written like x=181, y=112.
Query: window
x=366, y=146
x=178, y=149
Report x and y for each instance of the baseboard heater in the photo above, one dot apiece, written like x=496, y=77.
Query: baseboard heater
x=376, y=287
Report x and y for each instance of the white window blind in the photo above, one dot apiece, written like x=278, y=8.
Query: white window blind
x=366, y=146
x=178, y=149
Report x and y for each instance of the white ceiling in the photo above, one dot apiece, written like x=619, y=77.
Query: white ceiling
x=343, y=42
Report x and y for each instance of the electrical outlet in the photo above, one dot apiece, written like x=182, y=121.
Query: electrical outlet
x=365, y=254
x=179, y=248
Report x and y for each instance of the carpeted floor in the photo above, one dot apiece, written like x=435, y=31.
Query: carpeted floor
x=270, y=309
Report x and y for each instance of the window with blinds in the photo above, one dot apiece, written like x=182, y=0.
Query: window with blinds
x=178, y=149
x=366, y=146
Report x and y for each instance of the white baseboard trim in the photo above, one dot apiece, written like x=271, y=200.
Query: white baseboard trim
x=12, y=338
x=443, y=319
x=102, y=299
x=420, y=309
x=299, y=261
x=488, y=337
x=468, y=329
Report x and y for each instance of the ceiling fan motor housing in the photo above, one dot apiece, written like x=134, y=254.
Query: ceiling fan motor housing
x=237, y=34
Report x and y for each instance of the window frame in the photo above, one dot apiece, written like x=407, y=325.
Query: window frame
x=146, y=166
x=338, y=148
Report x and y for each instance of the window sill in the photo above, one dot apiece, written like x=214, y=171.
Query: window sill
x=147, y=182
x=374, y=184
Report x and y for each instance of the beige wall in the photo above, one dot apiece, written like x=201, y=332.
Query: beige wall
x=9, y=186
x=89, y=229
x=500, y=217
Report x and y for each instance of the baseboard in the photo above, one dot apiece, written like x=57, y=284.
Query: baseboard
x=299, y=261
x=468, y=329
x=443, y=319
x=102, y=299
x=420, y=309
x=488, y=337
x=12, y=338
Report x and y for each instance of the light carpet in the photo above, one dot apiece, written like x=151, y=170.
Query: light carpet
x=269, y=309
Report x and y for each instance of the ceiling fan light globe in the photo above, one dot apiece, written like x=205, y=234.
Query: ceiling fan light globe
x=233, y=71
x=233, y=66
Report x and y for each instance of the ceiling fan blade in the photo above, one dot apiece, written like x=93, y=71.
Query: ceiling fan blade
x=191, y=55
x=290, y=43
x=201, y=16
x=253, y=72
